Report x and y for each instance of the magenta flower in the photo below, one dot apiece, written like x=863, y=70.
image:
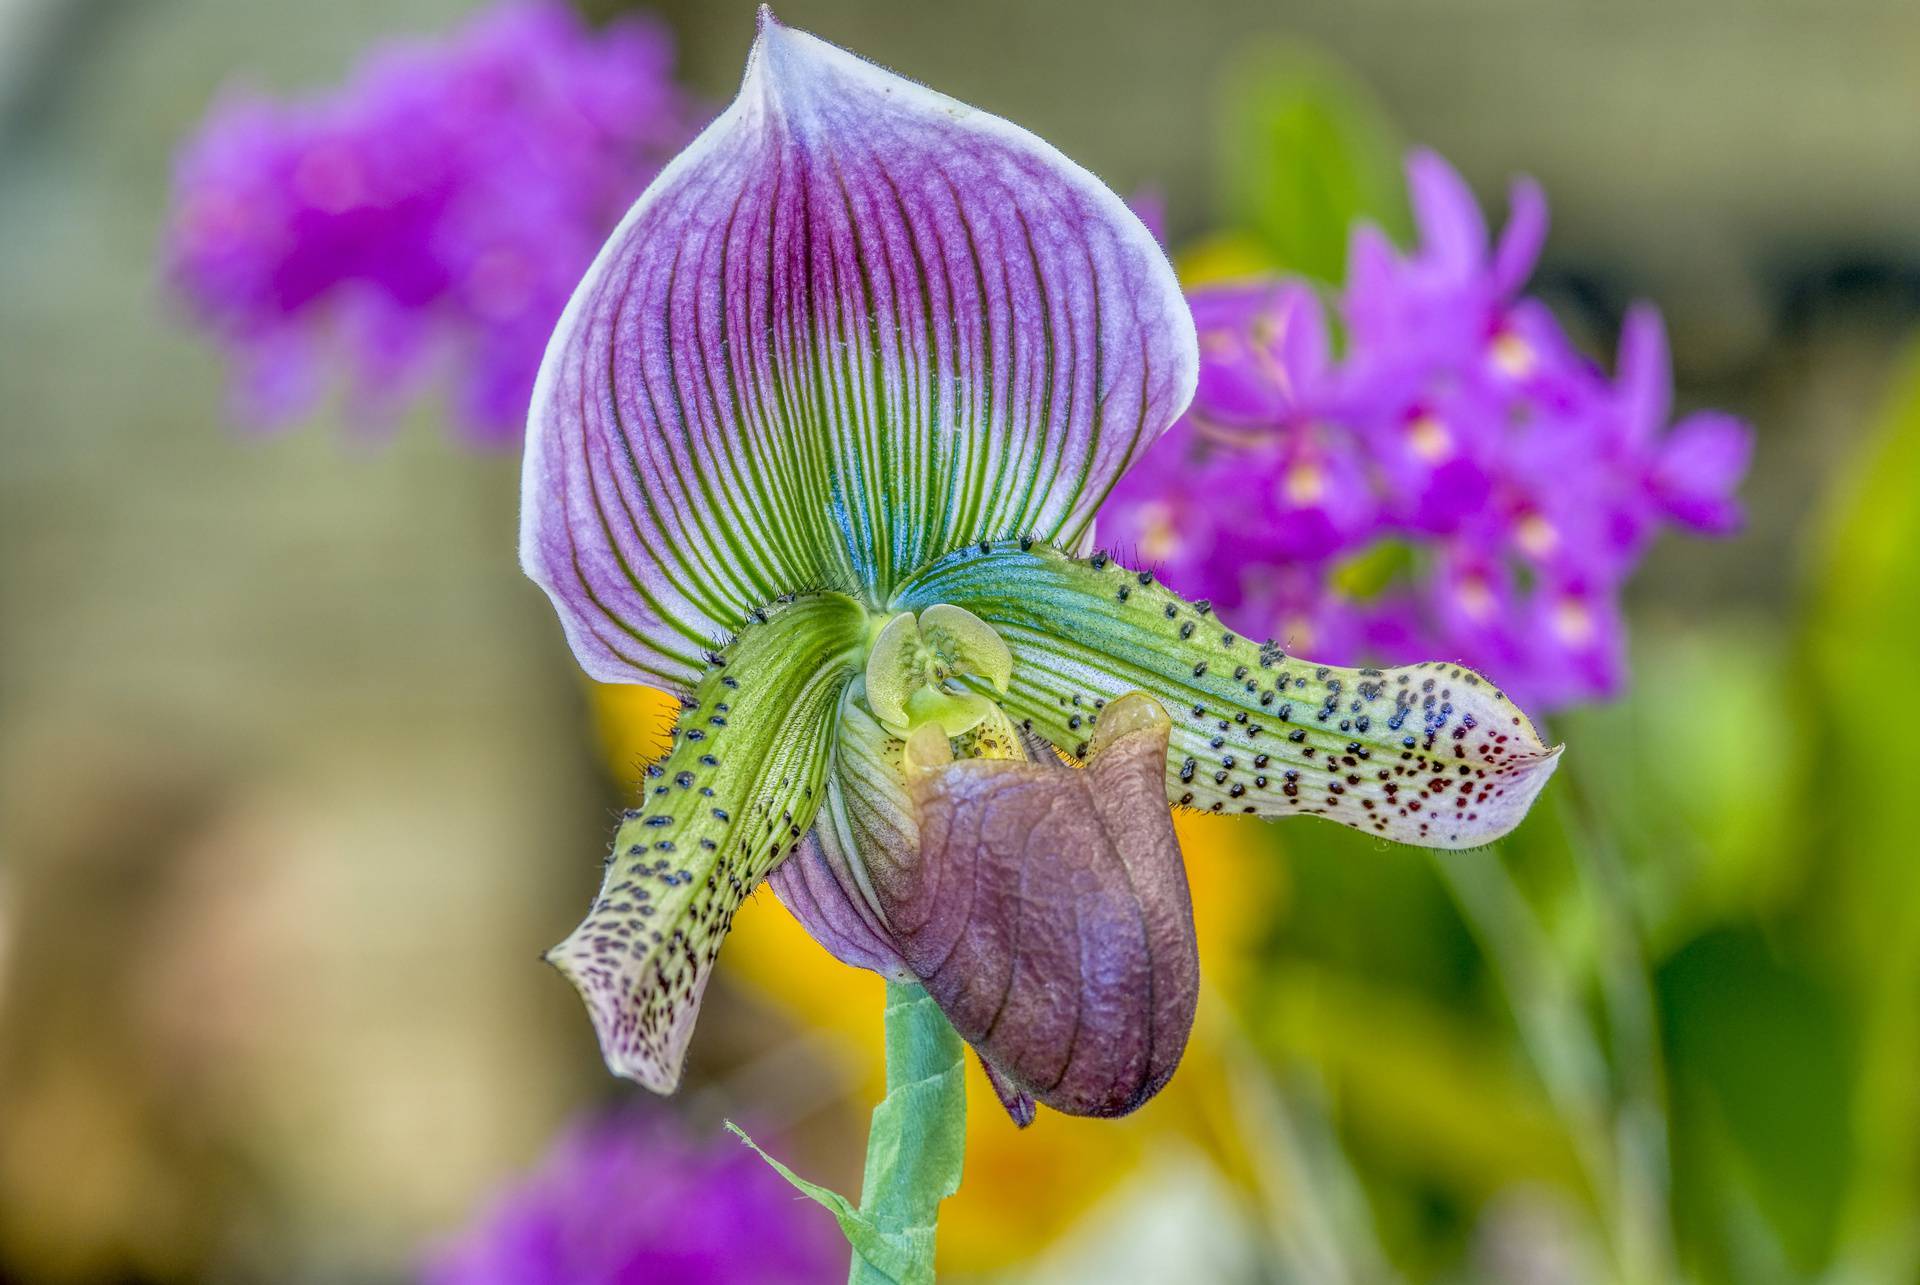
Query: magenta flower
x=845, y=389
x=1462, y=482
x=1693, y=472
x=426, y=221
x=1451, y=302
x=633, y=1200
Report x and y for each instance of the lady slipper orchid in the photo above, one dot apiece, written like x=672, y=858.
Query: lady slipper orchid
x=817, y=446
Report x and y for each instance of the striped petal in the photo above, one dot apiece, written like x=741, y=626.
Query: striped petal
x=732, y=798
x=1431, y=754
x=855, y=326
x=866, y=821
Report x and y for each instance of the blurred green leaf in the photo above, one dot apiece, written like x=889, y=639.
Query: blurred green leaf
x=1863, y=633
x=1422, y=1086
x=1368, y=573
x=1305, y=151
x=1762, y=1074
x=1375, y=911
x=1713, y=843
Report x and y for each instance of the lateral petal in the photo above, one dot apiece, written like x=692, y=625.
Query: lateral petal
x=1431, y=754
x=732, y=799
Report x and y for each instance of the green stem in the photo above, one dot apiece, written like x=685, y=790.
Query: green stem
x=915, y=1147
x=1558, y=1038
x=1626, y=988
x=1619, y=1136
x=917, y=1141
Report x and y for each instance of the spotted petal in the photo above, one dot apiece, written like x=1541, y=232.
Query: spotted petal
x=854, y=326
x=731, y=799
x=1429, y=754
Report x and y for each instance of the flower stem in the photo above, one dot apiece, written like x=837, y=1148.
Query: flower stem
x=917, y=1142
x=1625, y=1166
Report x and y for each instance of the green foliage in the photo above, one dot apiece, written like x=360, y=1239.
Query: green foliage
x=1762, y=1075
x=1717, y=841
x=1863, y=901
x=1305, y=151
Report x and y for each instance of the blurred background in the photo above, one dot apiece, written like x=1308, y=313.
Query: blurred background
x=297, y=777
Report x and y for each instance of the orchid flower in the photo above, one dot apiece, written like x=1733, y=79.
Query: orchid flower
x=817, y=446
x=425, y=218
x=1460, y=479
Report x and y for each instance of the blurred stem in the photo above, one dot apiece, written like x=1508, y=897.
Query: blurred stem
x=1317, y=1214
x=916, y=1141
x=1555, y=1033
x=1640, y=1129
x=1627, y=1176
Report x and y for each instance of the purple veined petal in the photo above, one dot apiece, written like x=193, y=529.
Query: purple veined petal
x=1048, y=915
x=865, y=821
x=855, y=325
x=1521, y=239
x=1644, y=378
x=815, y=885
x=1453, y=232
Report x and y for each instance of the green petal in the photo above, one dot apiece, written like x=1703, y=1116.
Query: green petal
x=733, y=797
x=895, y=666
x=1429, y=754
x=868, y=819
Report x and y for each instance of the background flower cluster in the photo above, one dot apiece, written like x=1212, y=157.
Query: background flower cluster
x=1447, y=475
x=635, y=1199
x=1456, y=480
x=428, y=218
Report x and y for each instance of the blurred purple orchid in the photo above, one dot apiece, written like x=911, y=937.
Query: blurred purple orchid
x=633, y=1200
x=844, y=390
x=1462, y=482
x=430, y=217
